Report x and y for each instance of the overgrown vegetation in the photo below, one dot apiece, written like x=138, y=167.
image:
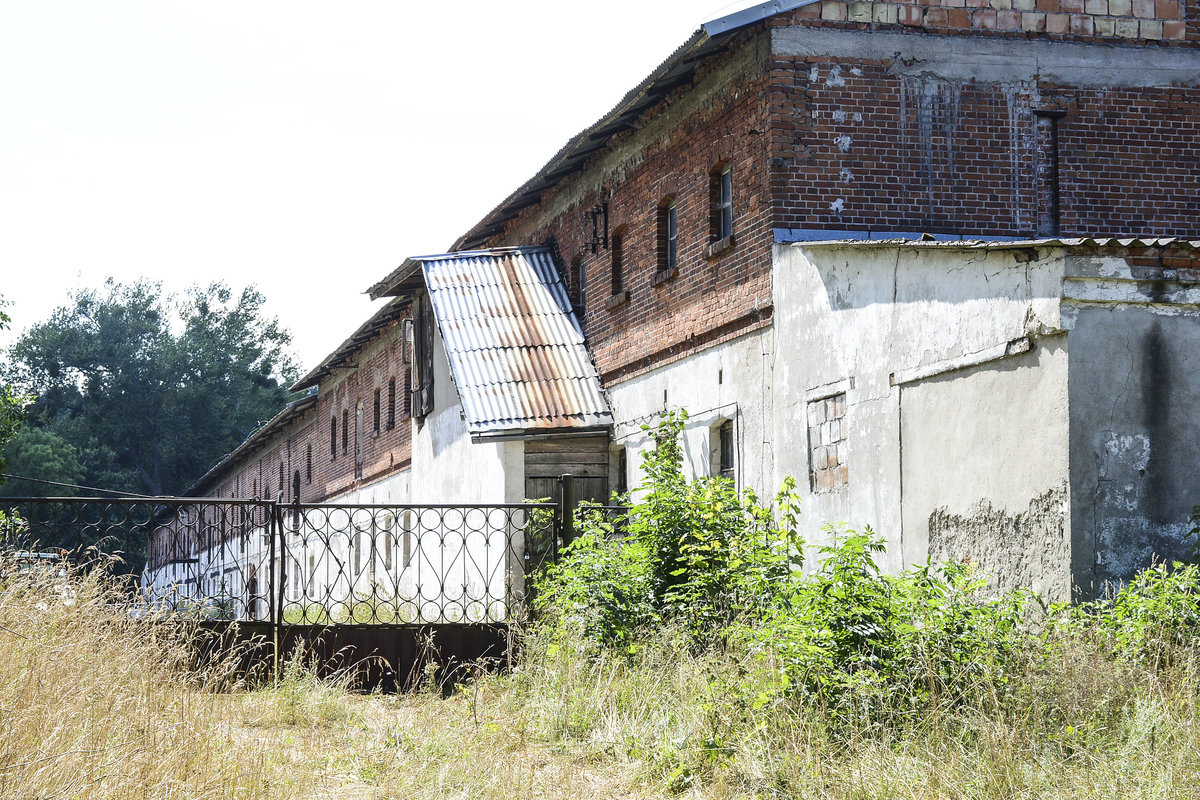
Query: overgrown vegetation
x=698, y=649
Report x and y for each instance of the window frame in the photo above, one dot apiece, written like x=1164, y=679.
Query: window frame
x=668, y=239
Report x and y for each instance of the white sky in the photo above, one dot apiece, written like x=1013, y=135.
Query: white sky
x=305, y=147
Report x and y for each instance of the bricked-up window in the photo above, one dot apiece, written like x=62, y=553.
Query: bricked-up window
x=616, y=251
x=721, y=203
x=378, y=406
x=668, y=236
x=345, y=431
x=391, y=400
x=827, y=443
x=333, y=437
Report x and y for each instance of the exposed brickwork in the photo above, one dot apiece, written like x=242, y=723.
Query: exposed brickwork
x=1150, y=21
x=1175, y=263
x=856, y=147
x=829, y=467
x=390, y=450
x=672, y=155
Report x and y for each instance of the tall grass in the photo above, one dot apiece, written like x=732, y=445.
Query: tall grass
x=95, y=703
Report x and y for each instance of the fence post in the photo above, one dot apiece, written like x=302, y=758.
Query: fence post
x=275, y=583
x=566, y=508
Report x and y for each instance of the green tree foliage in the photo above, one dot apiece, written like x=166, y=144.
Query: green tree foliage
x=12, y=404
x=151, y=390
x=46, y=455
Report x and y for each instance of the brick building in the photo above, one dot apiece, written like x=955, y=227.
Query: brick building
x=904, y=253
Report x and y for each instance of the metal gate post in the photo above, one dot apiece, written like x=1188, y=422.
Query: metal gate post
x=566, y=508
x=276, y=584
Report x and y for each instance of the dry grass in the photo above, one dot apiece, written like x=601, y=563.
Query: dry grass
x=98, y=705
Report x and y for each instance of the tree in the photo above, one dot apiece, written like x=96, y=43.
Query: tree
x=151, y=390
x=12, y=404
x=41, y=454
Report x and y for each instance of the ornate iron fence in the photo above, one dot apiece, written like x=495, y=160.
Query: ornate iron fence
x=388, y=564
x=248, y=560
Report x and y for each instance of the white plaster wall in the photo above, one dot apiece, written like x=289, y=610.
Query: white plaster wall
x=854, y=317
x=729, y=381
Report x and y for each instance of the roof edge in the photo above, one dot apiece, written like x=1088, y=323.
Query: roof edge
x=290, y=411
x=388, y=286
x=593, y=137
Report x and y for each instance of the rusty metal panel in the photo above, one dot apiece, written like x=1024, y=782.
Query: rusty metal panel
x=515, y=346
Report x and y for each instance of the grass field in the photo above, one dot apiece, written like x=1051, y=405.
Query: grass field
x=97, y=705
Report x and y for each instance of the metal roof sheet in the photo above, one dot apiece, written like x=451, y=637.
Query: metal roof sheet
x=516, y=348
x=1008, y=243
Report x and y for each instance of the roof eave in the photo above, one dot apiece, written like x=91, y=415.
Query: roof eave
x=621, y=117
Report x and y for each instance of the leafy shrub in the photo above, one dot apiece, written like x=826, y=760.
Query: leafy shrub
x=693, y=554
x=1151, y=620
x=727, y=571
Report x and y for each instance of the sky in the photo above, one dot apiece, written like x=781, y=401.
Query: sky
x=307, y=148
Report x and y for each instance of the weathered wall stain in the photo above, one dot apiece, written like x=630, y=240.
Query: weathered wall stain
x=1025, y=549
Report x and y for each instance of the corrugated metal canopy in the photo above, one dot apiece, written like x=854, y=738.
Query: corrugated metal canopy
x=515, y=346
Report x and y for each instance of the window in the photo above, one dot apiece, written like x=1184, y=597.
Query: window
x=722, y=449
x=621, y=483
x=668, y=237
x=345, y=430
x=308, y=464
x=282, y=482
x=391, y=404
x=333, y=437
x=721, y=203
x=422, y=390
x=389, y=521
x=617, y=253
x=725, y=444
x=378, y=404
x=827, y=438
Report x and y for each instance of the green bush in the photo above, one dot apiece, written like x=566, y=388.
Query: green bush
x=864, y=647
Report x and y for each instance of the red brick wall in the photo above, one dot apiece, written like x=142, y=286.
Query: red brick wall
x=710, y=295
x=857, y=147
x=386, y=452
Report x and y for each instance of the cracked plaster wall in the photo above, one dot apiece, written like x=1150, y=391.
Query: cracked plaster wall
x=1135, y=426
x=853, y=318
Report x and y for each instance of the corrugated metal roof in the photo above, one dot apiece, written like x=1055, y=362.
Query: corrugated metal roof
x=515, y=346
x=966, y=242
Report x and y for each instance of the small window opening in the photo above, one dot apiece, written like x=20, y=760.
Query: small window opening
x=668, y=236
x=391, y=403
x=308, y=464
x=378, y=405
x=721, y=196
x=345, y=431
x=333, y=437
